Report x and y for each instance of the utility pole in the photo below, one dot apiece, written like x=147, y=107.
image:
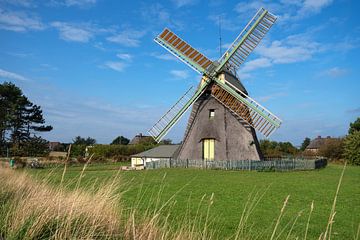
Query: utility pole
x=220, y=35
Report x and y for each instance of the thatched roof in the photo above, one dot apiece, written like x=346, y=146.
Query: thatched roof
x=318, y=142
x=140, y=139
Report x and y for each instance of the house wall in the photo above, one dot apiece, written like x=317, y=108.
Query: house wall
x=234, y=139
x=140, y=161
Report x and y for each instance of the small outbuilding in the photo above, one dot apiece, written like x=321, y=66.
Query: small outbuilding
x=317, y=143
x=162, y=152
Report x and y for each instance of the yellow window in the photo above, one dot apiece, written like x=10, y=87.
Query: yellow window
x=209, y=149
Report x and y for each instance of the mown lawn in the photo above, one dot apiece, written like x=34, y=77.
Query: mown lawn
x=186, y=187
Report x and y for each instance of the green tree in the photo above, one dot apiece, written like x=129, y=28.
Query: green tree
x=78, y=140
x=352, y=148
x=120, y=140
x=305, y=143
x=20, y=119
x=355, y=126
x=277, y=149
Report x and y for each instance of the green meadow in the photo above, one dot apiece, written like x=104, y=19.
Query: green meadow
x=216, y=198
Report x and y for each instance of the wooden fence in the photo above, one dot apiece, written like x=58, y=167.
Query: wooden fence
x=274, y=165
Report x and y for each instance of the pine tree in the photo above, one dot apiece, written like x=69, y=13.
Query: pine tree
x=20, y=119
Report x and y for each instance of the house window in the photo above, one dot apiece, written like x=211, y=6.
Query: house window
x=209, y=149
x=211, y=113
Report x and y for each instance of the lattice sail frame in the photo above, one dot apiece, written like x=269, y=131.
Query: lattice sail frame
x=246, y=41
x=233, y=98
x=182, y=50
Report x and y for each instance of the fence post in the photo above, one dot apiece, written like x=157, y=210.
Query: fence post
x=249, y=165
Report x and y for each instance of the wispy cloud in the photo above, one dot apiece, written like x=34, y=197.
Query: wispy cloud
x=125, y=56
x=20, y=54
x=271, y=96
x=127, y=38
x=257, y=63
x=71, y=3
x=164, y=56
x=294, y=48
x=156, y=15
x=180, y=74
x=117, y=66
x=226, y=23
x=72, y=32
x=11, y=76
x=310, y=7
x=335, y=72
x=22, y=3
x=287, y=10
x=19, y=21
x=182, y=3
x=354, y=111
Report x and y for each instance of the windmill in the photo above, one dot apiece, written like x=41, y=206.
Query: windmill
x=224, y=118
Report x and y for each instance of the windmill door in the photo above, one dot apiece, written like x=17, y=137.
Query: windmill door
x=209, y=149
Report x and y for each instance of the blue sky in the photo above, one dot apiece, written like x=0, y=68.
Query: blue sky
x=94, y=68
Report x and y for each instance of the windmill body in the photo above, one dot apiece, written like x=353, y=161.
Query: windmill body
x=223, y=118
x=212, y=123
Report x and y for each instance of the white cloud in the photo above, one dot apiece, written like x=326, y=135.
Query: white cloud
x=335, y=72
x=181, y=74
x=11, y=75
x=310, y=7
x=294, y=48
x=117, y=66
x=19, y=21
x=128, y=38
x=73, y=33
x=125, y=56
x=255, y=64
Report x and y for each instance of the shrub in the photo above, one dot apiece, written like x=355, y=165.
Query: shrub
x=117, y=152
x=352, y=148
x=333, y=148
x=77, y=150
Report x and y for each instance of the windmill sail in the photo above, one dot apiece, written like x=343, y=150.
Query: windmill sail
x=183, y=51
x=169, y=119
x=247, y=40
x=245, y=107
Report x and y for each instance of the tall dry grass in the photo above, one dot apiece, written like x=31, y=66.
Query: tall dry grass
x=33, y=209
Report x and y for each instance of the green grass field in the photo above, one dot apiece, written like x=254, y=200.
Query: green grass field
x=186, y=188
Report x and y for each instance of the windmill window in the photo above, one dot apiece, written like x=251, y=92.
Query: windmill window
x=211, y=113
x=209, y=149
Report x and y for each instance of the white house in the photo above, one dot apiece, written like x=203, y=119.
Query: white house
x=162, y=152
